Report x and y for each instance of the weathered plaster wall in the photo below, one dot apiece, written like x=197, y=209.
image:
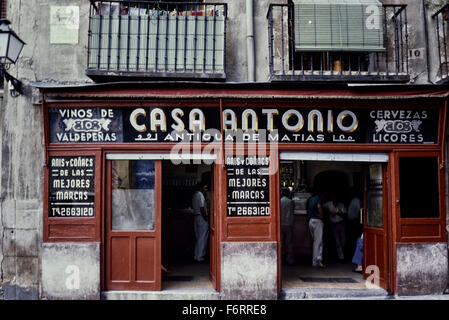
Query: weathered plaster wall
x=416, y=39
x=261, y=38
x=236, y=63
x=434, y=65
x=22, y=140
x=41, y=60
x=21, y=197
x=435, y=76
x=248, y=270
x=71, y=271
x=421, y=269
x=21, y=248
x=236, y=35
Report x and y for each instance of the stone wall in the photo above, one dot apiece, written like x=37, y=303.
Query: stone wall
x=248, y=270
x=22, y=141
x=71, y=271
x=421, y=269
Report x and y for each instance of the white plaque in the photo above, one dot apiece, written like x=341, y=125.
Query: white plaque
x=64, y=24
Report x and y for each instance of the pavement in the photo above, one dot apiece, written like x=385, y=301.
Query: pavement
x=293, y=286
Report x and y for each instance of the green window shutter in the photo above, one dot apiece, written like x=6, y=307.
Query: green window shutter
x=338, y=25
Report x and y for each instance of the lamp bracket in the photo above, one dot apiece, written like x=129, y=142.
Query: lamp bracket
x=17, y=84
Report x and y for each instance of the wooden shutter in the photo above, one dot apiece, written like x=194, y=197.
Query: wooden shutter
x=335, y=25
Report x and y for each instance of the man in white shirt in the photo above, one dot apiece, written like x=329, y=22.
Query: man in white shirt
x=337, y=213
x=200, y=223
x=287, y=210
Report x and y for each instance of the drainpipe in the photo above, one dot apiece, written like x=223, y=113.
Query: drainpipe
x=427, y=41
x=250, y=40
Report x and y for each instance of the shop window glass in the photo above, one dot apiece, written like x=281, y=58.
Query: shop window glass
x=374, y=197
x=133, y=195
x=418, y=178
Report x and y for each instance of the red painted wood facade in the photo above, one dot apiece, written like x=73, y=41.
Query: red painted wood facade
x=249, y=229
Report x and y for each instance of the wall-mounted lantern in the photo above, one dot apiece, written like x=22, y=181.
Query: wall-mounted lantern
x=10, y=47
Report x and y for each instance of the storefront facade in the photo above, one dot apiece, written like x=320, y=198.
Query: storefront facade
x=97, y=136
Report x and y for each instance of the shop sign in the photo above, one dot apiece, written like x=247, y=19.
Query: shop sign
x=169, y=125
x=143, y=125
x=403, y=126
x=307, y=125
x=248, y=192
x=72, y=186
x=81, y=125
x=280, y=125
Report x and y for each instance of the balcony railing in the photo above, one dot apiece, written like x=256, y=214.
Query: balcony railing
x=154, y=39
x=289, y=63
x=441, y=18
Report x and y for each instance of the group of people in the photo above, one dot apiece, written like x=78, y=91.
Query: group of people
x=342, y=220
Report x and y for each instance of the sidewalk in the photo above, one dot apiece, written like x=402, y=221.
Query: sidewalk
x=349, y=294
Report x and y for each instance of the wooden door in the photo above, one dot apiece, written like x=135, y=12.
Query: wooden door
x=375, y=242
x=133, y=225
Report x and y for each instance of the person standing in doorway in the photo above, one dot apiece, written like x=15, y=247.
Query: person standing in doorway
x=357, y=259
x=200, y=221
x=354, y=228
x=337, y=213
x=287, y=210
x=315, y=215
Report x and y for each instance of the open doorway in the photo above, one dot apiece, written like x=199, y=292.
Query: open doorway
x=180, y=267
x=339, y=183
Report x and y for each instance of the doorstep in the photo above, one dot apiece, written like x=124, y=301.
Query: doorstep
x=286, y=294
x=169, y=294
x=330, y=293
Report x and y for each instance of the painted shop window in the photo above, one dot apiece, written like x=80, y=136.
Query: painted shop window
x=72, y=187
x=374, y=199
x=133, y=195
x=419, y=190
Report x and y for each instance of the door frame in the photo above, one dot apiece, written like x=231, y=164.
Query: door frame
x=214, y=232
x=385, y=226
x=397, y=221
x=156, y=285
x=214, y=235
x=441, y=219
x=386, y=160
x=158, y=156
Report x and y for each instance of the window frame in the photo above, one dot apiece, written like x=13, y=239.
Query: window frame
x=73, y=229
x=119, y=227
x=420, y=229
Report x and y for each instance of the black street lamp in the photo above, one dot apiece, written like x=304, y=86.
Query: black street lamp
x=10, y=47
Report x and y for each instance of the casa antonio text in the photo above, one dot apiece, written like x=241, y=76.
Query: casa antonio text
x=201, y=137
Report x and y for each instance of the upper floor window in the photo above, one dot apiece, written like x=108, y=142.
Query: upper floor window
x=352, y=26
x=441, y=25
x=157, y=39
x=360, y=40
